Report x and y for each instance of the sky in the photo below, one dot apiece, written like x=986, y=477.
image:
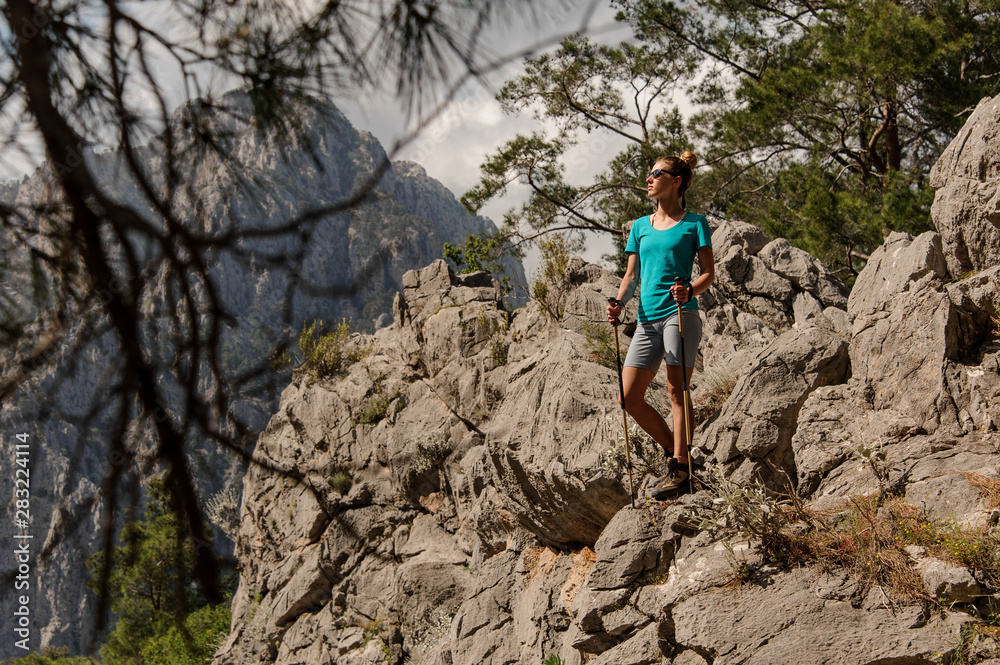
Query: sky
x=452, y=148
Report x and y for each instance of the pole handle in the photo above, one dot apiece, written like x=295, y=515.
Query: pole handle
x=615, y=302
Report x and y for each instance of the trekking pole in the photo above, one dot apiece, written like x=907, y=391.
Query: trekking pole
x=687, y=391
x=621, y=395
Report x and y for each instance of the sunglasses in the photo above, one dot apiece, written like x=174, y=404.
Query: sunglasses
x=659, y=172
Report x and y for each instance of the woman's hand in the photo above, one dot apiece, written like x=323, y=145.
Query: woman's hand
x=614, y=311
x=681, y=293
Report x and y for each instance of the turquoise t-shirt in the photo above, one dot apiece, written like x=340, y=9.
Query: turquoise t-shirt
x=664, y=256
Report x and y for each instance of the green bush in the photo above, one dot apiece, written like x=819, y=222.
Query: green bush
x=499, y=340
x=601, y=344
x=326, y=355
x=49, y=656
x=551, y=286
x=377, y=405
x=194, y=643
x=375, y=409
x=341, y=481
x=162, y=617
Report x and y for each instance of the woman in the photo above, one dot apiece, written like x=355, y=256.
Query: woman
x=661, y=248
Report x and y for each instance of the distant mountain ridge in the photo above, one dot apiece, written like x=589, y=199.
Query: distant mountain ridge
x=261, y=183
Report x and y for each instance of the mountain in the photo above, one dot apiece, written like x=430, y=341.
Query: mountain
x=485, y=516
x=351, y=267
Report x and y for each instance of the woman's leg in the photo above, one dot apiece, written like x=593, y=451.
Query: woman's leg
x=675, y=386
x=636, y=380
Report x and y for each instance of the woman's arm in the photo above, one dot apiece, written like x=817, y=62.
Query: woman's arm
x=626, y=289
x=706, y=259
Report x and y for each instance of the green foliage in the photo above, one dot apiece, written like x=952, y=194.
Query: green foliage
x=499, y=341
x=553, y=659
x=551, y=285
x=839, y=220
x=327, y=355
x=975, y=548
x=49, y=656
x=580, y=88
x=600, y=344
x=818, y=122
x=751, y=512
x=377, y=403
x=341, y=481
x=645, y=452
x=193, y=643
x=978, y=643
x=844, y=107
x=151, y=589
x=374, y=410
x=483, y=252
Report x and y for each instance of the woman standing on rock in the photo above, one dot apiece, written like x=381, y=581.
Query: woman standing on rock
x=661, y=247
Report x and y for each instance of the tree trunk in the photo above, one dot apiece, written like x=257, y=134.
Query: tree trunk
x=893, y=153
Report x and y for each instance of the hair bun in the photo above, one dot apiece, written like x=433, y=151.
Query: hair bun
x=690, y=158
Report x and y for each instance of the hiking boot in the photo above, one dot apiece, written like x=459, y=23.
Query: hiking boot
x=671, y=464
x=673, y=483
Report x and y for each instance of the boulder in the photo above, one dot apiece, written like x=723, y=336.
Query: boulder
x=544, y=445
x=805, y=272
x=947, y=582
x=806, y=624
x=770, y=280
x=753, y=431
x=900, y=302
x=966, y=209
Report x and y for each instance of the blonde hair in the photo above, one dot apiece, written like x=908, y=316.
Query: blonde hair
x=682, y=166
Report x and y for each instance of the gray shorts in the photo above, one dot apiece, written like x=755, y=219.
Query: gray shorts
x=655, y=341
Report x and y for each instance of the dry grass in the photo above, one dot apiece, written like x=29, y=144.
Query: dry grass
x=995, y=324
x=867, y=536
x=864, y=542
x=715, y=387
x=989, y=488
x=871, y=536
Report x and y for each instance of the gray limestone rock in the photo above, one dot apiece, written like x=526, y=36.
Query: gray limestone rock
x=631, y=546
x=805, y=272
x=754, y=429
x=805, y=627
x=544, y=446
x=642, y=649
x=947, y=582
x=899, y=302
x=966, y=207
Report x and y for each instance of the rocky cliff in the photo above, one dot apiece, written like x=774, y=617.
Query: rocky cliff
x=259, y=183
x=486, y=517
